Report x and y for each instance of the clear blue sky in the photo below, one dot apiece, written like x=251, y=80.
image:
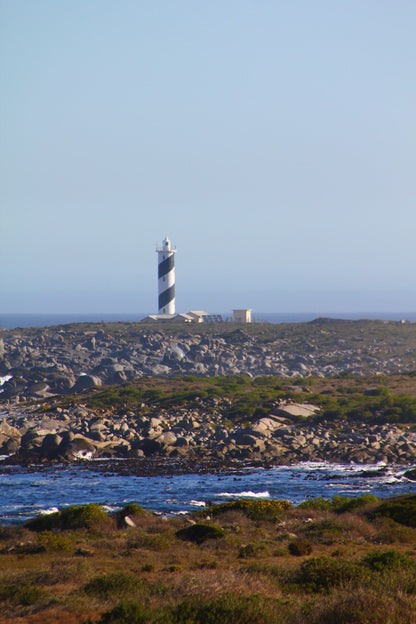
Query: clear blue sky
x=272, y=141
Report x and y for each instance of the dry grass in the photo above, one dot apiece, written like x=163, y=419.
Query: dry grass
x=353, y=559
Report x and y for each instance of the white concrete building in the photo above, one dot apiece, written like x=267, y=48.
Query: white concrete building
x=242, y=316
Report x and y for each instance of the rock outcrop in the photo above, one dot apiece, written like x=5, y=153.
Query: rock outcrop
x=78, y=433
x=36, y=363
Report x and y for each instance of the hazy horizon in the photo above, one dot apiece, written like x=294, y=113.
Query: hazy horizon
x=273, y=143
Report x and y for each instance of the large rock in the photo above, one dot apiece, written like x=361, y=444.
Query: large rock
x=7, y=431
x=40, y=390
x=168, y=438
x=50, y=445
x=77, y=448
x=33, y=439
x=85, y=382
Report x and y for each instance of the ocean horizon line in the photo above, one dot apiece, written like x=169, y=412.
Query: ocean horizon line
x=45, y=319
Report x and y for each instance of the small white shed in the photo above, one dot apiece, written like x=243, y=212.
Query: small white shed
x=242, y=316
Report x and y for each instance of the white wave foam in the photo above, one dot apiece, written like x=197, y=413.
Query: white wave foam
x=111, y=508
x=197, y=503
x=50, y=510
x=5, y=378
x=248, y=494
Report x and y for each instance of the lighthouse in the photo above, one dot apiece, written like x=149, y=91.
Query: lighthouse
x=166, y=277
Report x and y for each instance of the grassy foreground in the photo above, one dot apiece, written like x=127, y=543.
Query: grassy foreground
x=343, y=561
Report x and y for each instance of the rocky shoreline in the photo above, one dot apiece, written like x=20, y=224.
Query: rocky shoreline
x=28, y=434
x=42, y=369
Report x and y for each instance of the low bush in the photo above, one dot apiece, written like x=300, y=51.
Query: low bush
x=227, y=609
x=300, y=548
x=127, y=613
x=321, y=574
x=252, y=509
x=316, y=504
x=21, y=593
x=251, y=550
x=57, y=542
x=363, y=606
x=109, y=585
x=150, y=542
x=129, y=510
x=199, y=533
x=339, y=504
x=387, y=560
x=91, y=516
x=401, y=509
x=325, y=531
x=343, y=504
x=389, y=532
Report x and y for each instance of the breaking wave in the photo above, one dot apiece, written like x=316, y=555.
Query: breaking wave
x=248, y=494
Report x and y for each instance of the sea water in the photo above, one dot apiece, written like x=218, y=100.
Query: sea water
x=27, y=492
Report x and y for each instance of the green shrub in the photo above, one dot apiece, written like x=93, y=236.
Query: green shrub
x=321, y=574
x=392, y=533
x=199, y=533
x=300, y=548
x=132, y=509
x=251, y=550
x=362, y=606
x=316, y=504
x=21, y=593
x=150, y=542
x=129, y=510
x=91, y=516
x=252, y=509
x=227, y=609
x=55, y=542
x=108, y=585
x=116, y=397
x=401, y=509
x=387, y=560
x=342, y=504
x=339, y=504
x=127, y=613
x=325, y=531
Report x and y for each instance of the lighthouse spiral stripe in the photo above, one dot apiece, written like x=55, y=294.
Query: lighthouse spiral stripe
x=166, y=274
x=166, y=265
x=166, y=298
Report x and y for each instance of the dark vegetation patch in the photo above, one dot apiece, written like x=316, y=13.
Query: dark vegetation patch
x=21, y=593
x=199, y=533
x=401, y=509
x=340, y=504
x=300, y=548
x=92, y=516
x=253, y=509
x=325, y=573
x=109, y=585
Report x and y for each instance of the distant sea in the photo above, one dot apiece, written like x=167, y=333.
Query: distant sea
x=28, y=491
x=12, y=321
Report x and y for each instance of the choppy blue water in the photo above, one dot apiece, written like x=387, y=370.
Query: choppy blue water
x=26, y=493
x=12, y=321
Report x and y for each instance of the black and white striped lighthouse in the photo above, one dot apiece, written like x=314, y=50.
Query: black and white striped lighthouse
x=166, y=274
